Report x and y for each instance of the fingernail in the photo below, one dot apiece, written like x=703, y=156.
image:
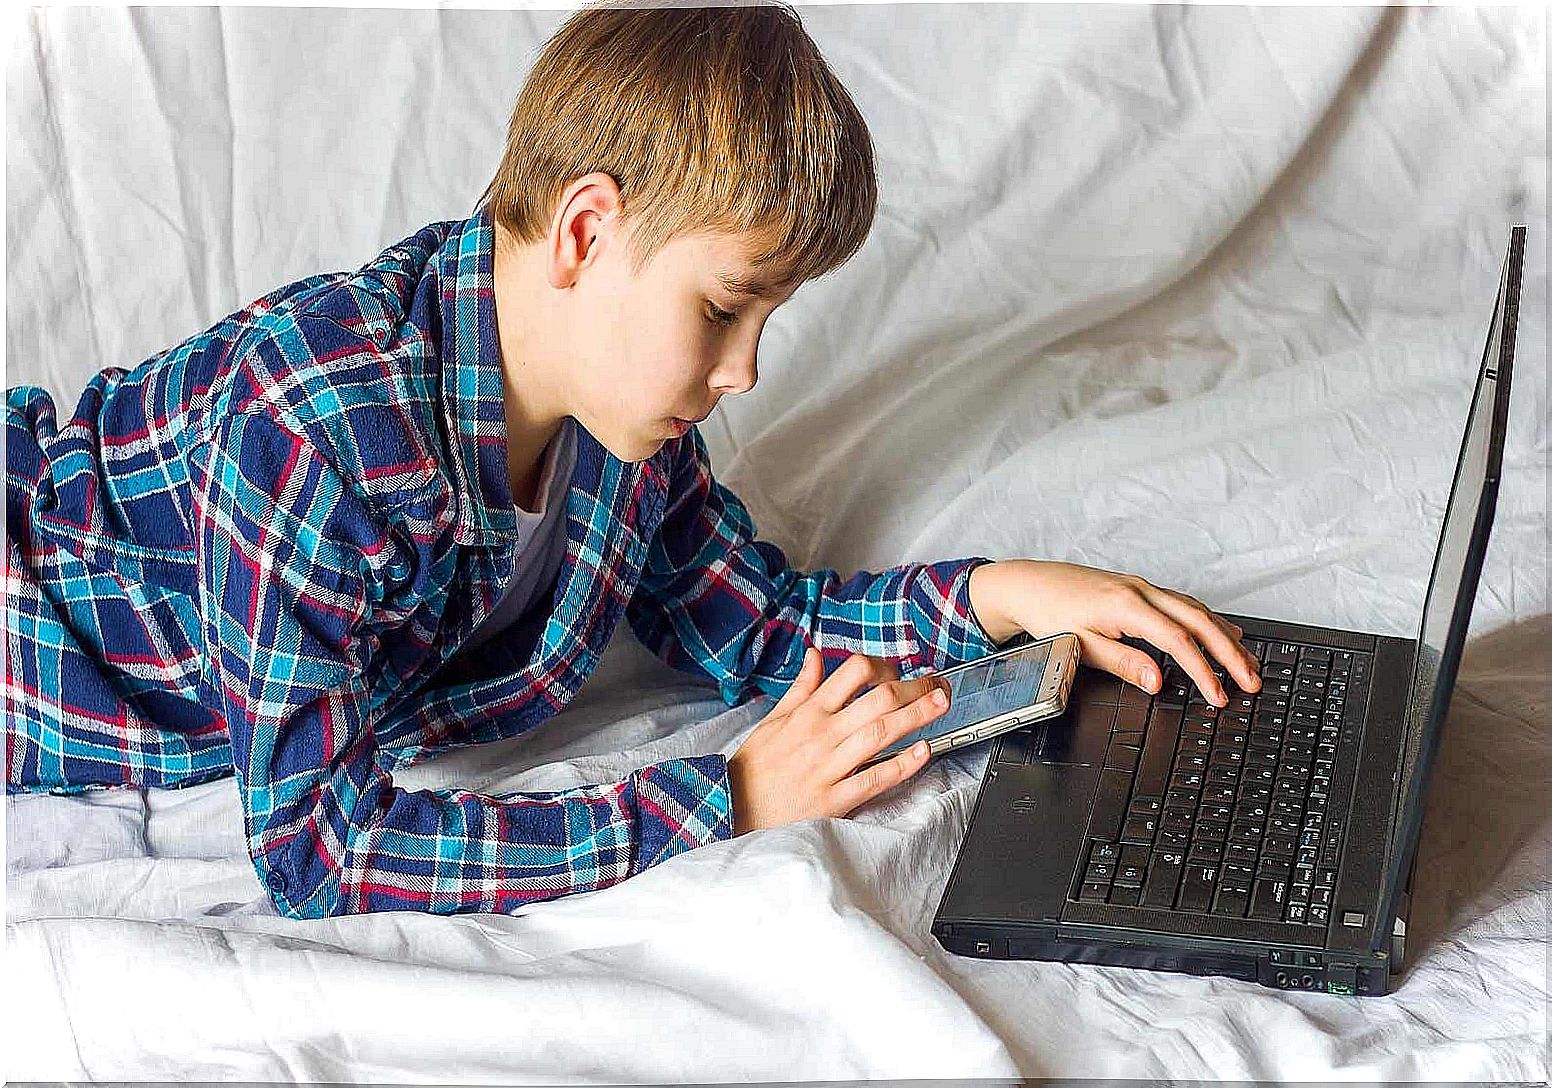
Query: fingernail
x=940, y=698
x=919, y=749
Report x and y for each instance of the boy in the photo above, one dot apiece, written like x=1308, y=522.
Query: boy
x=376, y=514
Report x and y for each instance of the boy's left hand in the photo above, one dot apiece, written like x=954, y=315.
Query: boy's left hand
x=1100, y=607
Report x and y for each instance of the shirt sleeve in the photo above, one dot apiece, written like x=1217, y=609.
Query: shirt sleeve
x=715, y=601
x=292, y=568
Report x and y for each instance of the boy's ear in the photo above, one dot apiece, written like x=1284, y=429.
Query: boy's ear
x=587, y=210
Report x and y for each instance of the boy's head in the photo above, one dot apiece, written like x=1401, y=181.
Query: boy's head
x=652, y=152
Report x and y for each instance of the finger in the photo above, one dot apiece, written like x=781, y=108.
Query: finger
x=873, y=780
x=865, y=740
x=842, y=685
x=1149, y=622
x=1208, y=630
x=1129, y=663
x=803, y=684
x=885, y=697
x=1238, y=635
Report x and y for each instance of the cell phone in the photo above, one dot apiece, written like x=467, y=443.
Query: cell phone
x=993, y=694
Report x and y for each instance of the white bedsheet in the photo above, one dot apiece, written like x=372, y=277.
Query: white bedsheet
x=1196, y=293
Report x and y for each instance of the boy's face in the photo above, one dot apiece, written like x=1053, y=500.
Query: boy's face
x=646, y=349
x=665, y=346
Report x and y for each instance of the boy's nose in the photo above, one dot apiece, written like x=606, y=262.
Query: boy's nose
x=737, y=375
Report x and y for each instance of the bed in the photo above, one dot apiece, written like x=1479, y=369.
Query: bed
x=1192, y=292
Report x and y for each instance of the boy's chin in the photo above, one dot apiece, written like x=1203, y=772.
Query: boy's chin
x=639, y=444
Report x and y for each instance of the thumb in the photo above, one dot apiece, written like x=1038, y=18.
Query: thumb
x=804, y=685
x=1130, y=664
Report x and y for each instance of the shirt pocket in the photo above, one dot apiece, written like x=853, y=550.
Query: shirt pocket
x=157, y=568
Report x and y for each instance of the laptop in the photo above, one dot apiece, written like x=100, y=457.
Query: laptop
x=1271, y=840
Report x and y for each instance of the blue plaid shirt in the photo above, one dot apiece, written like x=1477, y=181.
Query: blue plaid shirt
x=259, y=552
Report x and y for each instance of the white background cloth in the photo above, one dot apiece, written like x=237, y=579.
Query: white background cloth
x=1196, y=293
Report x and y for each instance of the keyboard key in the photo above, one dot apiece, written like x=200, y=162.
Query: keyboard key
x=1203, y=851
x=1274, y=868
x=1093, y=892
x=1139, y=829
x=1100, y=872
x=1143, y=805
x=1267, y=899
x=1125, y=896
x=1319, y=916
x=1286, y=825
x=1163, y=878
x=1230, y=902
x=1211, y=830
x=1236, y=875
x=1282, y=653
x=1180, y=799
x=1153, y=768
x=1196, y=887
x=1250, y=811
x=1132, y=854
x=1104, y=851
x=1128, y=876
x=1277, y=846
x=1247, y=833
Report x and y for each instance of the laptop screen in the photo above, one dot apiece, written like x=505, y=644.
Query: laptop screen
x=1452, y=586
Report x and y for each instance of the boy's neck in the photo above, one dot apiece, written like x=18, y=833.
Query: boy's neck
x=532, y=421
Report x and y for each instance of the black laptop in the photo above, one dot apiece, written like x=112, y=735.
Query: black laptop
x=1271, y=840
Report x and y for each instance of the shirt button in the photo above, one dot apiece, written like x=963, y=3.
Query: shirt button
x=276, y=882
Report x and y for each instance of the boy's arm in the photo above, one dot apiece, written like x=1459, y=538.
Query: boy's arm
x=715, y=601
x=291, y=569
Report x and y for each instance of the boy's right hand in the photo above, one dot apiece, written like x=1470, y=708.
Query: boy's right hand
x=799, y=760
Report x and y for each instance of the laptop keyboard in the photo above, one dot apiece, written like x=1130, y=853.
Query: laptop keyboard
x=1229, y=811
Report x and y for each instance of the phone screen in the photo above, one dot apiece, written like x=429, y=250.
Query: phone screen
x=982, y=690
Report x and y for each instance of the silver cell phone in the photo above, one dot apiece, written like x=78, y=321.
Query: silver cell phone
x=996, y=693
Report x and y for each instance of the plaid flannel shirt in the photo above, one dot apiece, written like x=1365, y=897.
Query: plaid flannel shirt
x=259, y=551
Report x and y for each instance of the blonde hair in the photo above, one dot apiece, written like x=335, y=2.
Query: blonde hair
x=717, y=119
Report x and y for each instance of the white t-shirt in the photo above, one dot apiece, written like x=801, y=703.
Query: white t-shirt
x=541, y=537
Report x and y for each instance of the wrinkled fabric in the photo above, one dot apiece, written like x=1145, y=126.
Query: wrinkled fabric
x=1192, y=292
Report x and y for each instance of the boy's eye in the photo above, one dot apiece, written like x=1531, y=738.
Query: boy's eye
x=719, y=315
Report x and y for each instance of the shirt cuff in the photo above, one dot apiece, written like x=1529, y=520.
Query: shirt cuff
x=947, y=628
x=681, y=804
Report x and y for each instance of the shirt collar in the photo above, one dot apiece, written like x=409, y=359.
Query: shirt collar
x=473, y=394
